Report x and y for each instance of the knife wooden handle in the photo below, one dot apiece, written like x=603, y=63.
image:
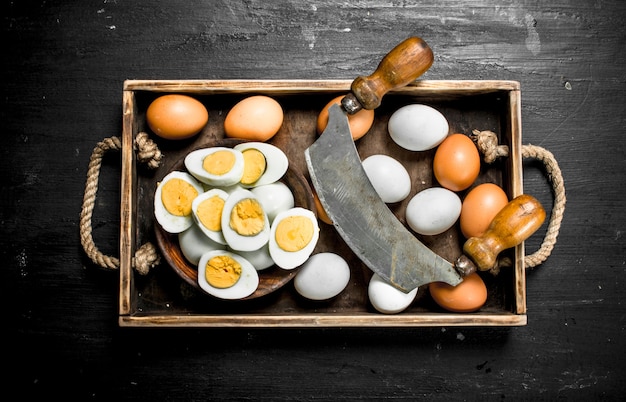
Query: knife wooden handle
x=402, y=65
x=516, y=222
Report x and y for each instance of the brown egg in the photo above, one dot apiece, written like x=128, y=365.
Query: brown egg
x=255, y=118
x=176, y=117
x=469, y=295
x=360, y=122
x=457, y=163
x=479, y=208
x=321, y=213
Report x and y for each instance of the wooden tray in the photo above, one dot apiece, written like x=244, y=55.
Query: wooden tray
x=163, y=299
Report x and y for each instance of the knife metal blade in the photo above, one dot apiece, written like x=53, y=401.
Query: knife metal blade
x=362, y=219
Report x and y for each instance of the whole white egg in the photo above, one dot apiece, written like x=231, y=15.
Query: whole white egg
x=276, y=162
x=225, y=165
x=433, y=210
x=275, y=197
x=293, y=237
x=417, y=127
x=387, y=299
x=389, y=177
x=247, y=283
x=193, y=243
x=322, y=276
x=177, y=191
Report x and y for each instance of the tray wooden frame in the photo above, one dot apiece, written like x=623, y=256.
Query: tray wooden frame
x=130, y=316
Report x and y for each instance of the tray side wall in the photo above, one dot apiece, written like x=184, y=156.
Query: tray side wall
x=128, y=204
x=515, y=159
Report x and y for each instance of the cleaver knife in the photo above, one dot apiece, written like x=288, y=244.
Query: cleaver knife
x=358, y=213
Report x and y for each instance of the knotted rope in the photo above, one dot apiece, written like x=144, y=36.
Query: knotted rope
x=146, y=256
x=487, y=143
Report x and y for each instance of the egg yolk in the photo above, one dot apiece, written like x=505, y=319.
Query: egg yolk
x=177, y=195
x=210, y=213
x=247, y=217
x=293, y=233
x=254, y=165
x=219, y=162
x=222, y=271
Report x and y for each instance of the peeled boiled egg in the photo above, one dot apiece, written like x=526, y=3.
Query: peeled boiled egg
x=245, y=225
x=226, y=275
x=176, y=117
x=359, y=122
x=275, y=198
x=322, y=277
x=263, y=163
x=260, y=259
x=469, y=295
x=457, y=163
x=480, y=206
x=433, y=211
x=387, y=299
x=417, y=127
x=229, y=189
x=388, y=176
x=193, y=243
x=293, y=237
x=216, y=166
x=172, y=201
x=256, y=118
x=207, y=212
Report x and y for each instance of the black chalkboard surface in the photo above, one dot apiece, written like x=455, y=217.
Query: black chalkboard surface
x=64, y=65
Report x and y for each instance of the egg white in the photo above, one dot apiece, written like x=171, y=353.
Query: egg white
x=417, y=127
x=215, y=235
x=433, y=210
x=322, y=277
x=275, y=159
x=245, y=286
x=275, y=197
x=260, y=259
x=234, y=240
x=387, y=299
x=227, y=189
x=292, y=259
x=193, y=163
x=193, y=243
x=169, y=222
x=389, y=177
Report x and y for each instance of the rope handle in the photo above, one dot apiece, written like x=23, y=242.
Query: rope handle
x=487, y=144
x=146, y=256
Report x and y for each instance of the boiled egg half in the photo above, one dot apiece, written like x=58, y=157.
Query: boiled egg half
x=293, y=237
x=207, y=212
x=263, y=163
x=245, y=225
x=226, y=275
x=172, y=201
x=216, y=166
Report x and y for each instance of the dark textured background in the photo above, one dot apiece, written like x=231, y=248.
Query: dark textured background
x=63, y=67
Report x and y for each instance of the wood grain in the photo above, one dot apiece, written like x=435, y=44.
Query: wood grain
x=64, y=65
